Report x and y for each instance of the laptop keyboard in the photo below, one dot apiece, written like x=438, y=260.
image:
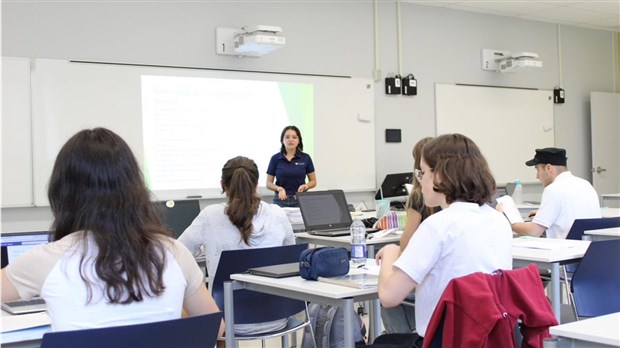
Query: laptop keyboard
x=22, y=303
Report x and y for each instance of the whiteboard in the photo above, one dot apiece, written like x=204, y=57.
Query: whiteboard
x=507, y=124
x=16, y=139
x=68, y=97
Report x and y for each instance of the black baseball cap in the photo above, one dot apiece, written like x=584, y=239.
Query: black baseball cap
x=549, y=155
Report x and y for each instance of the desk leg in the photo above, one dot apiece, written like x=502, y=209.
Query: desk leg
x=229, y=314
x=349, y=322
x=556, y=301
x=370, y=251
x=374, y=320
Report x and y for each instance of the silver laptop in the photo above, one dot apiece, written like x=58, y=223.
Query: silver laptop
x=325, y=213
x=276, y=271
x=12, y=245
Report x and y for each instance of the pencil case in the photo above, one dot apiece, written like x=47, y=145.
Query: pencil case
x=323, y=262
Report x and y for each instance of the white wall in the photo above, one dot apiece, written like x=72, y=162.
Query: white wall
x=439, y=45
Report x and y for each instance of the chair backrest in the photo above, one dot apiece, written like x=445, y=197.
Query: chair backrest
x=199, y=331
x=579, y=226
x=250, y=306
x=596, y=281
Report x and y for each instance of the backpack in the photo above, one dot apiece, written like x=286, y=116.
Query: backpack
x=327, y=322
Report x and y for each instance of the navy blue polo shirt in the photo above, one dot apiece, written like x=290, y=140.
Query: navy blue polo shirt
x=290, y=174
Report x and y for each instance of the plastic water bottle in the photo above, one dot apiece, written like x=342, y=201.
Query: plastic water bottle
x=358, y=243
x=517, y=195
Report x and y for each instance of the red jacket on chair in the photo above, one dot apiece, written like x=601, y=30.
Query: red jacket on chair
x=481, y=310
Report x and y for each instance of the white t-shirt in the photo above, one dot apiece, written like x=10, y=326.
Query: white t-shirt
x=52, y=271
x=567, y=198
x=457, y=241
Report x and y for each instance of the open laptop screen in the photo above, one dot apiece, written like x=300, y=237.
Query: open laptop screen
x=14, y=244
x=323, y=210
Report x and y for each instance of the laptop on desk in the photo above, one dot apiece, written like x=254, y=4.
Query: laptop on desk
x=325, y=213
x=12, y=245
x=276, y=271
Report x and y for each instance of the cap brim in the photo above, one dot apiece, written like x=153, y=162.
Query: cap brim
x=531, y=162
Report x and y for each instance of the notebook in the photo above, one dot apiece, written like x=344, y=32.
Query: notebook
x=325, y=213
x=276, y=271
x=12, y=245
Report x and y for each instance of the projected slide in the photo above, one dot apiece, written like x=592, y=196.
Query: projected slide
x=193, y=125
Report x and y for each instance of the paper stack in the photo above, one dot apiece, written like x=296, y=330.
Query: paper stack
x=294, y=216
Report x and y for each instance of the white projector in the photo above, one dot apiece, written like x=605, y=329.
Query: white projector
x=521, y=61
x=258, y=43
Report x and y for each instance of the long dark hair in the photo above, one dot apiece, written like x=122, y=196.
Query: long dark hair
x=239, y=181
x=97, y=187
x=462, y=172
x=300, y=146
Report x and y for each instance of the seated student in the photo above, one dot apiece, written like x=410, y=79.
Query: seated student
x=564, y=199
x=401, y=319
x=466, y=236
x=112, y=262
x=243, y=222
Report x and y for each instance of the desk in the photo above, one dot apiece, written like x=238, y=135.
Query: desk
x=603, y=234
x=345, y=241
x=593, y=332
x=312, y=291
x=559, y=252
x=610, y=212
x=30, y=337
x=609, y=196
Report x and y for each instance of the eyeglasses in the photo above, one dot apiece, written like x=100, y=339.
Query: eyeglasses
x=419, y=174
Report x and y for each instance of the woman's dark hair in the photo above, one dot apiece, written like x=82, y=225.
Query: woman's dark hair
x=300, y=146
x=416, y=198
x=97, y=187
x=461, y=171
x=239, y=181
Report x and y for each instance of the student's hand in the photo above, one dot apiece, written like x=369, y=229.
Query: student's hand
x=282, y=194
x=302, y=188
x=385, y=251
x=532, y=213
x=500, y=207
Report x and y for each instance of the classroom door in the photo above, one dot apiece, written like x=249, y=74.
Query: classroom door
x=605, y=129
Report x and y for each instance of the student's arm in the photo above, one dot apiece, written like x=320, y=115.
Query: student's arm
x=310, y=184
x=201, y=303
x=9, y=292
x=528, y=229
x=273, y=187
x=394, y=284
x=414, y=218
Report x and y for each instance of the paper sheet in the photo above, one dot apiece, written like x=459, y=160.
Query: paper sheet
x=24, y=321
x=510, y=209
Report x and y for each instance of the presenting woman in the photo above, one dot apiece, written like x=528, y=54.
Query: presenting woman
x=289, y=169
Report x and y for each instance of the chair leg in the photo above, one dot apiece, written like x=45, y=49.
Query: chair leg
x=571, y=298
x=310, y=327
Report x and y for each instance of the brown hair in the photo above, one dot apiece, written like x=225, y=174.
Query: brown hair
x=239, y=181
x=97, y=186
x=462, y=172
x=416, y=200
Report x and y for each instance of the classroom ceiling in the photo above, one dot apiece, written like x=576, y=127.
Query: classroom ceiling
x=594, y=14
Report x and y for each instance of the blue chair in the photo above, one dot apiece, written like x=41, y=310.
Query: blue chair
x=199, y=331
x=596, y=282
x=255, y=307
x=577, y=232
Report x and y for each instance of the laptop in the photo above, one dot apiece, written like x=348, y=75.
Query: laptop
x=12, y=245
x=276, y=271
x=500, y=191
x=325, y=213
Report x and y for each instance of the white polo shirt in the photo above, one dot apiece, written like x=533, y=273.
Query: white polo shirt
x=567, y=198
x=457, y=241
